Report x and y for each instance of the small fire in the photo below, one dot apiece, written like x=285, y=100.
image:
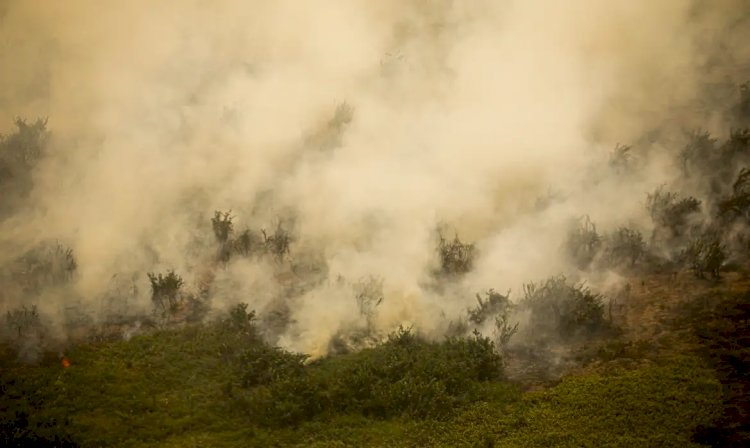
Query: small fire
x=65, y=362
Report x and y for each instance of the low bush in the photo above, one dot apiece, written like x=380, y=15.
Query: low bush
x=406, y=375
x=562, y=311
x=624, y=248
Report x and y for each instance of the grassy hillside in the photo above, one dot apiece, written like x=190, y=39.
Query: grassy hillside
x=218, y=384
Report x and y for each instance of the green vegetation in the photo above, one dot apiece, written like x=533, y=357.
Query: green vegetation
x=219, y=385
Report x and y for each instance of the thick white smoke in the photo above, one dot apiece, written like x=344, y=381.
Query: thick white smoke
x=366, y=122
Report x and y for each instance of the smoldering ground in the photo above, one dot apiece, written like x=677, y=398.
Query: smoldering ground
x=360, y=128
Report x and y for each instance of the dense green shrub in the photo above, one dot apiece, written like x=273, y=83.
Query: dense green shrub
x=262, y=365
x=404, y=375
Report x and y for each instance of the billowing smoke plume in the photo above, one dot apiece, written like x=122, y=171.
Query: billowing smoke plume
x=359, y=127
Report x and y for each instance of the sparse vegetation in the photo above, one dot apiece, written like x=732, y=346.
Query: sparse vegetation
x=583, y=243
x=624, y=247
x=23, y=320
x=620, y=159
x=456, y=257
x=278, y=243
x=706, y=255
x=670, y=214
x=19, y=154
x=737, y=206
x=165, y=291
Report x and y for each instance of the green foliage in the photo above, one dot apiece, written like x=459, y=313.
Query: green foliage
x=406, y=375
x=456, y=258
x=181, y=388
x=263, y=365
x=583, y=243
x=165, y=290
x=722, y=323
x=559, y=310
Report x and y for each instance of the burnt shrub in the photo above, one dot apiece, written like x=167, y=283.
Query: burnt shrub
x=165, y=291
x=624, y=248
x=498, y=308
x=737, y=204
x=44, y=266
x=583, y=243
x=672, y=216
x=494, y=303
x=19, y=154
x=705, y=255
x=24, y=320
x=563, y=311
x=456, y=257
x=620, y=159
x=248, y=242
x=278, y=243
x=699, y=151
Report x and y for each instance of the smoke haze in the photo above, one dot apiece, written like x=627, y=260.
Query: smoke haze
x=361, y=126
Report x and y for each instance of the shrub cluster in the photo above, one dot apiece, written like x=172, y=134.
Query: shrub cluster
x=456, y=257
x=560, y=311
x=248, y=242
x=406, y=375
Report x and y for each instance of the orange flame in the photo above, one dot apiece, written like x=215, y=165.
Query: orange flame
x=65, y=362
